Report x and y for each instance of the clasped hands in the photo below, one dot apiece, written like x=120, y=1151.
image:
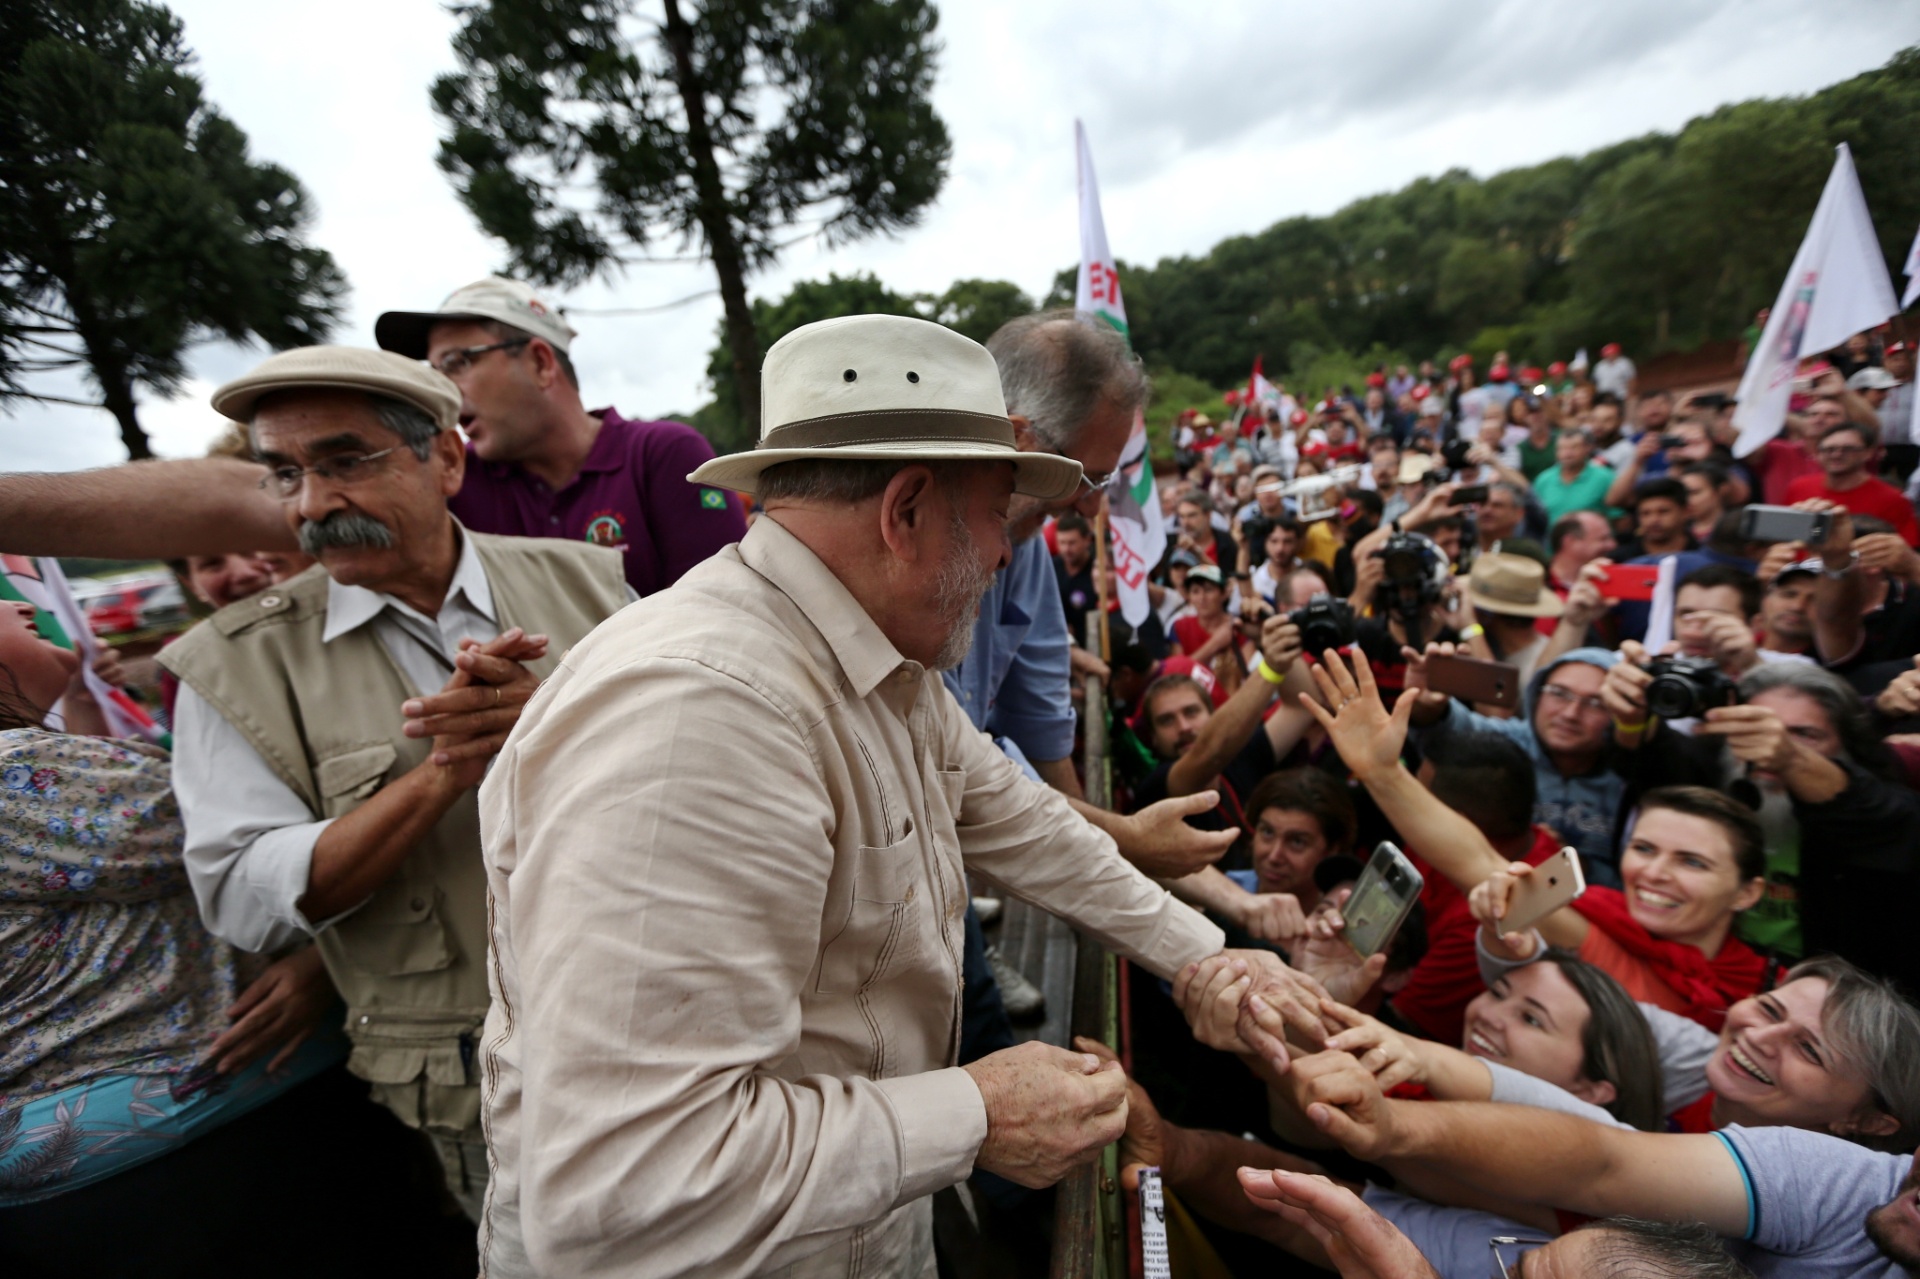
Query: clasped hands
x=474, y=711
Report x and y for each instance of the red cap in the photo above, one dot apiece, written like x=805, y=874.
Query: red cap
x=1895, y=347
x=1330, y=407
x=1557, y=369
x=1531, y=374
x=1299, y=417
x=1499, y=373
x=1610, y=350
x=1460, y=361
x=1315, y=449
x=1376, y=379
x=1421, y=391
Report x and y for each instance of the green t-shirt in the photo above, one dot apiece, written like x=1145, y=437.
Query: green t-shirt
x=1535, y=460
x=1774, y=921
x=1588, y=492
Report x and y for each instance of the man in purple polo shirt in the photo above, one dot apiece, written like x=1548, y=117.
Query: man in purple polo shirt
x=539, y=463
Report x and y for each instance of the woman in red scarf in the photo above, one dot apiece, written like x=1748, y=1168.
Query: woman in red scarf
x=1693, y=861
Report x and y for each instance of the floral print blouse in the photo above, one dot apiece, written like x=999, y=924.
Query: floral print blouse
x=105, y=967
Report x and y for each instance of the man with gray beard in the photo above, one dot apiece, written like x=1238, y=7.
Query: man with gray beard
x=330, y=730
x=726, y=849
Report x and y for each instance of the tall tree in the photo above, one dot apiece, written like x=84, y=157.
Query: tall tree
x=132, y=222
x=580, y=130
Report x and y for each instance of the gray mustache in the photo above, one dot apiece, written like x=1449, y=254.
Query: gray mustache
x=344, y=530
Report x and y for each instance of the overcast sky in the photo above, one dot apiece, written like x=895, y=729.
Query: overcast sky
x=1205, y=121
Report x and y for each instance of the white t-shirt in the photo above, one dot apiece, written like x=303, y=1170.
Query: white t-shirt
x=1614, y=375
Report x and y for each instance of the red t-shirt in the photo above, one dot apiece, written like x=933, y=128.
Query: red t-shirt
x=1447, y=978
x=1778, y=463
x=1189, y=634
x=1874, y=497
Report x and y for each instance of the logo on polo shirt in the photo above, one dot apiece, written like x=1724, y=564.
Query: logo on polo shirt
x=713, y=499
x=605, y=529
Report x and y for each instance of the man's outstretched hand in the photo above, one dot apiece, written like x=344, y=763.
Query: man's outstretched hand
x=1158, y=840
x=1358, y=1240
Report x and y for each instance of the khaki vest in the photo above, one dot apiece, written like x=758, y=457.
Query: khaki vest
x=411, y=962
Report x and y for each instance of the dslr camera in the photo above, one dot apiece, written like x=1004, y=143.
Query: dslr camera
x=1454, y=454
x=1324, y=622
x=1688, y=687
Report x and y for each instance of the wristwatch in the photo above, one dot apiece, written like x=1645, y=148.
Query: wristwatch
x=1853, y=562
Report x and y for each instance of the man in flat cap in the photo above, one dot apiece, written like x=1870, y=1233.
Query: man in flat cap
x=726, y=849
x=539, y=463
x=330, y=730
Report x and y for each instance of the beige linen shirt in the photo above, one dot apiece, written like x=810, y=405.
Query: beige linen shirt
x=725, y=849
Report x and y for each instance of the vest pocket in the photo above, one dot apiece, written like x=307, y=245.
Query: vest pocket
x=351, y=777
x=419, y=1064
x=879, y=929
x=397, y=932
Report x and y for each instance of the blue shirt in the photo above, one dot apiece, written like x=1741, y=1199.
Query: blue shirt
x=1014, y=681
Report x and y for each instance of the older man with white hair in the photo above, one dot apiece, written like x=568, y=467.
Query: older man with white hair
x=727, y=849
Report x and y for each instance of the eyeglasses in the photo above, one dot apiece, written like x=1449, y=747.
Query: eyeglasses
x=343, y=469
x=457, y=361
x=1839, y=450
x=1090, y=481
x=1567, y=697
x=1514, y=1247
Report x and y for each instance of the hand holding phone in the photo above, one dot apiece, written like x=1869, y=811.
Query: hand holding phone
x=1629, y=581
x=1381, y=901
x=1554, y=883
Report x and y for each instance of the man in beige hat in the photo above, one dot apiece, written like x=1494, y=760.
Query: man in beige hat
x=330, y=730
x=540, y=464
x=727, y=847
x=1509, y=594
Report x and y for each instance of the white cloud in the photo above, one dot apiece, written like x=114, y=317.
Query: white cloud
x=1205, y=121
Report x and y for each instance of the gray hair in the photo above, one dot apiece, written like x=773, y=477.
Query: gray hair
x=1859, y=743
x=1058, y=367
x=1641, y=1249
x=415, y=427
x=827, y=481
x=1876, y=1031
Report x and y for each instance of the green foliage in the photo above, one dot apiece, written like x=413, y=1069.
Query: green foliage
x=1659, y=242
x=1174, y=392
x=579, y=132
x=972, y=307
x=132, y=222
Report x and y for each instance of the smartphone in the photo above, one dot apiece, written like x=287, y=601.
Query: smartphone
x=1472, y=679
x=1672, y=441
x=1554, y=883
x=1469, y=495
x=1387, y=890
x=1630, y=581
x=1784, y=524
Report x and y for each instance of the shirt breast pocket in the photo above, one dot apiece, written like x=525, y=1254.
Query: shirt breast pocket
x=879, y=934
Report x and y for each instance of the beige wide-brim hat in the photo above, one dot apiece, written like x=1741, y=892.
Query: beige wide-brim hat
x=342, y=368
x=494, y=298
x=885, y=388
x=1513, y=585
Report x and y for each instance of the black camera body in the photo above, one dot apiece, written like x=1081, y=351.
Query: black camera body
x=1688, y=687
x=1324, y=622
x=1454, y=454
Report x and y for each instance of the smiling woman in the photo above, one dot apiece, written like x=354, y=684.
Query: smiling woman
x=1694, y=859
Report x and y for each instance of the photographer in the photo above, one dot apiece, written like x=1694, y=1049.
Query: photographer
x=1403, y=584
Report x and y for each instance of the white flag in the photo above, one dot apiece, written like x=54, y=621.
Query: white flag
x=1098, y=293
x=1912, y=272
x=1837, y=286
x=1133, y=501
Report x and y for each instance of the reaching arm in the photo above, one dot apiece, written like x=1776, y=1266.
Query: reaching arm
x=1369, y=739
x=1531, y=1155
x=144, y=510
x=1230, y=727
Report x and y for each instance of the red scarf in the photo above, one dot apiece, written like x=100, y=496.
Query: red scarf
x=1710, y=986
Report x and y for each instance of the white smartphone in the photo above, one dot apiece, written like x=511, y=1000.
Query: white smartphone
x=1554, y=883
x=1381, y=901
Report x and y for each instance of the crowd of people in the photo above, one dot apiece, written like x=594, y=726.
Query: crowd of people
x=580, y=854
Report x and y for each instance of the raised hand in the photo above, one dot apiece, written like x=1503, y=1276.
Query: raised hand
x=1367, y=735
